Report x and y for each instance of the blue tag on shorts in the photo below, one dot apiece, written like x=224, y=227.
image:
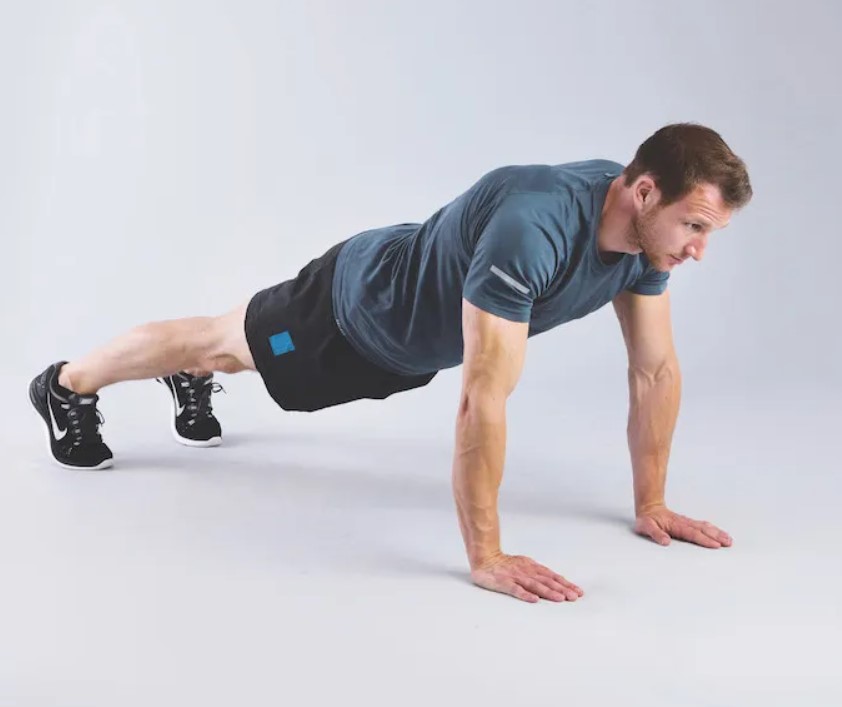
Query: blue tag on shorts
x=281, y=343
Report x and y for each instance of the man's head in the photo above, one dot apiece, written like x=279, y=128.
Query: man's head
x=685, y=182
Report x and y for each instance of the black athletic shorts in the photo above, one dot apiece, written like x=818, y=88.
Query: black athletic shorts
x=305, y=361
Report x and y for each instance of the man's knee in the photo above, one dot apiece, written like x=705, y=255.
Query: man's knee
x=226, y=349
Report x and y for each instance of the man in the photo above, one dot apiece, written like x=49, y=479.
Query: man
x=525, y=249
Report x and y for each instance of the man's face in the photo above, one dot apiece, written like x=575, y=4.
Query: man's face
x=668, y=235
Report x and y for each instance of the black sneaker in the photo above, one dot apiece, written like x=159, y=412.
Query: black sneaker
x=72, y=421
x=192, y=420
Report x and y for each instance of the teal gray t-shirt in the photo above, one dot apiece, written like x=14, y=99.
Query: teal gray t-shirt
x=520, y=243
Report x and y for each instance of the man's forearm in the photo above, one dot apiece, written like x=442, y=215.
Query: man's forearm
x=654, y=399
x=477, y=471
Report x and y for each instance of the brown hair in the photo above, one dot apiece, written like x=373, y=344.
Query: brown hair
x=683, y=155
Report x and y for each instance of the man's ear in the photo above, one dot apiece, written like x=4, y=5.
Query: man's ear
x=645, y=188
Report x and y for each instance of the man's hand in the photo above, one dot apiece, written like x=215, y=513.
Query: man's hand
x=660, y=524
x=524, y=579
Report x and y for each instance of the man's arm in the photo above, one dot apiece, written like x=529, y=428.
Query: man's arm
x=654, y=398
x=654, y=391
x=494, y=352
x=495, y=349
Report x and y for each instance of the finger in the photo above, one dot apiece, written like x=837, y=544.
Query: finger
x=505, y=586
x=542, y=590
x=650, y=529
x=660, y=537
x=569, y=592
x=518, y=592
x=712, y=531
x=708, y=529
x=547, y=572
x=687, y=532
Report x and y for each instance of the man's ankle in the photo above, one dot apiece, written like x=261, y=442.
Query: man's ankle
x=69, y=380
x=198, y=372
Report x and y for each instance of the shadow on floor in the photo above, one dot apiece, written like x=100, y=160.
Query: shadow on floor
x=368, y=473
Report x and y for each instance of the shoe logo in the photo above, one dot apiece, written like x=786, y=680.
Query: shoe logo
x=57, y=432
x=178, y=408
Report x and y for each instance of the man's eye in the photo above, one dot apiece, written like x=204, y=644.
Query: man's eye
x=695, y=226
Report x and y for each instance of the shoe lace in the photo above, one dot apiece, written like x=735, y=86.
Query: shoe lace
x=84, y=421
x=199, y=391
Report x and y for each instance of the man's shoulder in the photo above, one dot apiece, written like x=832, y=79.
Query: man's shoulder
x=550, y=178
x=586, y=173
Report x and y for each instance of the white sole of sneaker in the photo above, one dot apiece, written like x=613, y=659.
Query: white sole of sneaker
x=212, y=442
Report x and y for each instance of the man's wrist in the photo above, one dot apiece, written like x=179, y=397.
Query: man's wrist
x=483, y=559
x=647, y=507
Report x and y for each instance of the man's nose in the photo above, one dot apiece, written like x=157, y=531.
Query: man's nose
x=697, y=248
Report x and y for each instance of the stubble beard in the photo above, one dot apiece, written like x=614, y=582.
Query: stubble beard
x=642, y=236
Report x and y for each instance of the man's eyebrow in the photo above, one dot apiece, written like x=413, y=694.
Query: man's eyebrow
x=706, y=223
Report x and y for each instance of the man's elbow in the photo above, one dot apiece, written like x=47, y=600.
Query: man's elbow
x=655, y=372
x=482, y=397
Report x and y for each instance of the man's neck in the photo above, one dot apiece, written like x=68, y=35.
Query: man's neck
x=615, y=223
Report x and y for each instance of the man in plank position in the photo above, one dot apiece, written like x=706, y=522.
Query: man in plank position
x=526, y=248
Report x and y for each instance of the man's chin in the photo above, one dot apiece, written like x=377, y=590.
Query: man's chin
x=661, y=264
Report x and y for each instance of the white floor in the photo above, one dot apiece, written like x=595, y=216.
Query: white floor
x=316, y=559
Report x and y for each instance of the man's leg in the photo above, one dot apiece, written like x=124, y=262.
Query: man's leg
x=65, y=394
x=199, y=345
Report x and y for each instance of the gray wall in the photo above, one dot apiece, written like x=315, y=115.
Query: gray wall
x=168, y=159
x=161, y=159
